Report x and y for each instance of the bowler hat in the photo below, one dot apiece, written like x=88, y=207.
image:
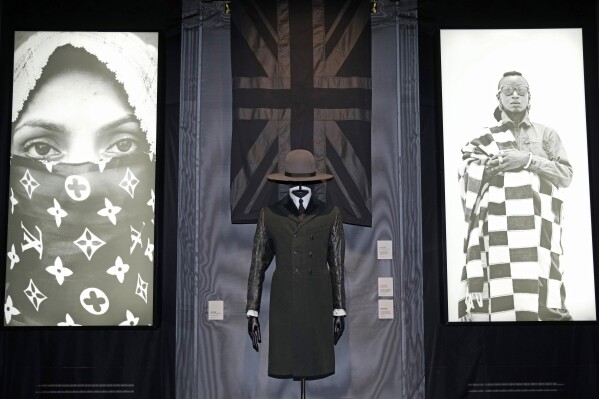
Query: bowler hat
x=299, y=166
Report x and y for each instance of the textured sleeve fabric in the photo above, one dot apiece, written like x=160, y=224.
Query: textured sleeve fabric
x=336, y=257
x=262, y=255
x=556, y=167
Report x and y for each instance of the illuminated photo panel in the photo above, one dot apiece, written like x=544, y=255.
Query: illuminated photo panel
x=517, y=208
x=80, y=235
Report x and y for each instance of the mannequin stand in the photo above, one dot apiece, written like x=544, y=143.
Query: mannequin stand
x=303, y=385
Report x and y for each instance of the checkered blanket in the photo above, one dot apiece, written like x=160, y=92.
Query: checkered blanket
x=512, y=242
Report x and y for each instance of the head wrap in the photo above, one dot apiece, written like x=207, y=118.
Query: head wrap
x=133, y=61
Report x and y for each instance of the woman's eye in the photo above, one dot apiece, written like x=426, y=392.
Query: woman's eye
x=40, y=150
x=122, y=147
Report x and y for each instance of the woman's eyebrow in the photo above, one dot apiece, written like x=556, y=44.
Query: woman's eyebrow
x=116, y=123
x=40, y=123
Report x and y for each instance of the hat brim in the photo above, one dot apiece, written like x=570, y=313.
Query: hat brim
x=282, y=178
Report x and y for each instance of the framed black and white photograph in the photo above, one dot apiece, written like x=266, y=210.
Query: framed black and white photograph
x=80, y=226
x=518, y=232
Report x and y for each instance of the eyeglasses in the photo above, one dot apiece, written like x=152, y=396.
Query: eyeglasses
x=509, y=90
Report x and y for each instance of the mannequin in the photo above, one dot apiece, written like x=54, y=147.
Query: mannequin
x=305, y=292
x=253, y=323
x=300, y=191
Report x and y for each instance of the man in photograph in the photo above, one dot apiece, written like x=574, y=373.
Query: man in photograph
x=510, y=180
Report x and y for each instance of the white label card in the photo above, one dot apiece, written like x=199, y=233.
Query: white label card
x=385, y=308
x=215, y=310
x=385, y=286
x=384, y=249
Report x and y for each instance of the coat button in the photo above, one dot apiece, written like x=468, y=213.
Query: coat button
x=295, y=252
x=296, y=270
x=294, y=235
x=310, y=254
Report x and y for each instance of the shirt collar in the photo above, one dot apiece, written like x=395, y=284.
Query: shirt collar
x=507, y=123
x=296, y=199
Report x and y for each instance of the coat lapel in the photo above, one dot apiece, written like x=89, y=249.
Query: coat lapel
x=290, y=210
x=314, y=208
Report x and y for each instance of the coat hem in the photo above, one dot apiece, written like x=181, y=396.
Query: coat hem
x=299, y=377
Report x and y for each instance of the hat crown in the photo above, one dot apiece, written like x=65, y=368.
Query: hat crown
x=300, y=161
x=298, y=166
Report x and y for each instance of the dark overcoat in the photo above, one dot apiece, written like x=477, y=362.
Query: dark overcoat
x=307, y=284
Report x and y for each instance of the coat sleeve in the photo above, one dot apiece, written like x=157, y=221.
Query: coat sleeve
x=336, y=258
x=262, y=255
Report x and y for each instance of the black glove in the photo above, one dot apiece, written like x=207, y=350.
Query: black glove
x=339, y=326
x=254, y=331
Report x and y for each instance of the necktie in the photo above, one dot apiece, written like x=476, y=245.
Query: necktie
x=301, y=208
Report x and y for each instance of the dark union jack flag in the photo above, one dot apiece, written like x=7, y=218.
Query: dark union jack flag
x=301, y=80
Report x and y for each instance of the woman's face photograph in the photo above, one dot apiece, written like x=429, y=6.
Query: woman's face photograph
x=82, y=179
x=75, y=117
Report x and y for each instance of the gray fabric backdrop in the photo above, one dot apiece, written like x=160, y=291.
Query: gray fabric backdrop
x=375, y=358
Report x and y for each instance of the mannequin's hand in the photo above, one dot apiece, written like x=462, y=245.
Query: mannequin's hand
x=339, y=326
x=254, y=331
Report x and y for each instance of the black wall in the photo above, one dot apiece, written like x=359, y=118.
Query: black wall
x=460, y=356
x=141, y=359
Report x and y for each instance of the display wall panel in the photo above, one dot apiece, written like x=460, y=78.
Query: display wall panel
x=524, y=267
x=215, y=254
x=100, y=358
x=524, y=359
x=80, y=225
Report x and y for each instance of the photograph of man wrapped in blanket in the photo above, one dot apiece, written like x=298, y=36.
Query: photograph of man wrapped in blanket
x=80, y=236
x=510, y=181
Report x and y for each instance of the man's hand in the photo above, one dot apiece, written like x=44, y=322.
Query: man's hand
x=339, y=326
x=254, y=331
x=507, y=160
